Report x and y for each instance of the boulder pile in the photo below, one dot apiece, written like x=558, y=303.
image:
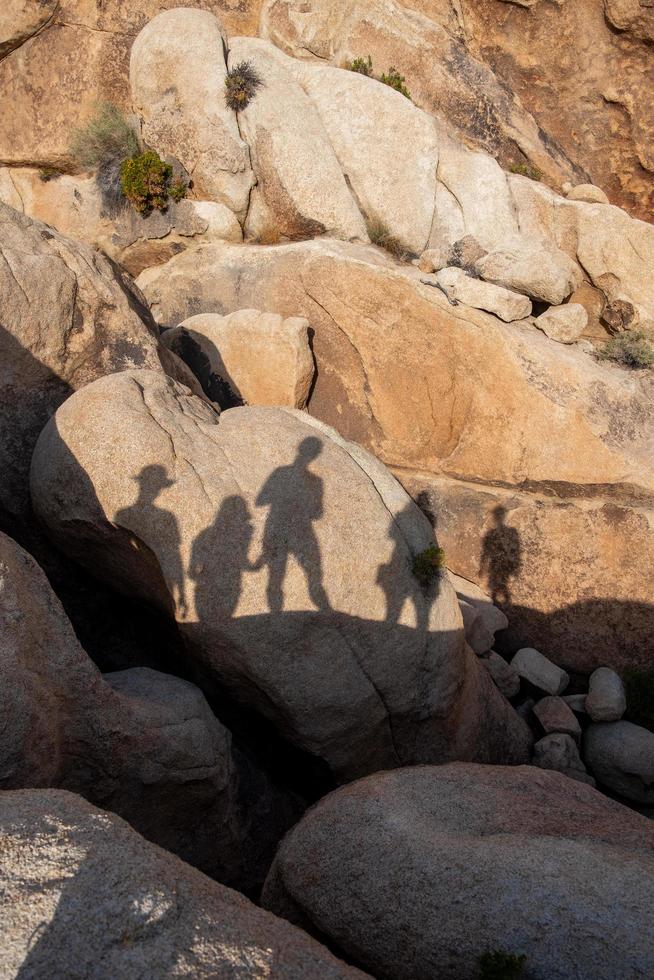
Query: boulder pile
x=326, y=491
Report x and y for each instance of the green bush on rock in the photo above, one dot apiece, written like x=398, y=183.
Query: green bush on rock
x=393, y=79
x=362, y=66
x=428, y=565
x=145, y=181
x=631, y=349
x=526, y=170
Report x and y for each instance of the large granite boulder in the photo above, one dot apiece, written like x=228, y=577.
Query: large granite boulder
x=301, y=187
x=417, y=873
x=67, y=318
x=141, y=743
x=475, y=415
x=427, y=44
x=85, y=895
x=285, y=554
x=177, y=75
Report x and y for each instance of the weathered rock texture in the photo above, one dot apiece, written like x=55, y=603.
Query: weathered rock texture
x=67, y=318
x=248, y=357
x=138, y=742
x=74, y=206
x=177, y=76
x=429, y=49
x=588, y=90
x=285, y=555
x=414, y=874
x=474, y=415
x=85, y=895
x=621, y=756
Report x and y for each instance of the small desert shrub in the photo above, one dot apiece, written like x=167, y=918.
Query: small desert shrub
x=48, y=173
x=379, y=235
x=145, y=180
x=106, y=137
x=526, y=170
x=362, y=66
x=178, y=190
x=428, y=565
x=497, y=965
x=632, y=349
x=241, y=85
x=393, y=79
x=639, y=689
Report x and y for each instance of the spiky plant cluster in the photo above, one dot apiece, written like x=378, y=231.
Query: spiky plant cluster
x=362, y=66
x=393, y=79
x=379, y=234
x=241, y=85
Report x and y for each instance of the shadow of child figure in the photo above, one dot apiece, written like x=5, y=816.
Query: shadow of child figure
x=229, y=536
x=393, y=573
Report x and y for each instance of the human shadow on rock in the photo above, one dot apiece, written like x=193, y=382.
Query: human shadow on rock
x=116, y=631
x=501, y=557
x=293, y=495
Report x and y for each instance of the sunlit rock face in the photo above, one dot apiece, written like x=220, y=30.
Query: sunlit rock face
x=285, y=554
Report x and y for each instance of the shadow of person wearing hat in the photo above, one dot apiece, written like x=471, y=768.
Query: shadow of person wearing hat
x=153, y=524
x=501, y=557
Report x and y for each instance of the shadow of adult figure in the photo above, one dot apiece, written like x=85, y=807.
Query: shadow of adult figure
x=398, y=586
x=230, y=535
x=501, y=557
x=294, y=496
x=146, y=519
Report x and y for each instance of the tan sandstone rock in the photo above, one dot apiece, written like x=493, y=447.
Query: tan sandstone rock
x=589, y=91
x=67, y=318
x=547, y=277
x=177, y=75
x=285, y=554
x=447, y=391
x=417, y=873
x=21, y=19
x=259, y=358
x=588, y=193
x=299, y=174
x=566, y=324
x=141, y=743
x=504, y=303
x=430, y=50
x=85, y=894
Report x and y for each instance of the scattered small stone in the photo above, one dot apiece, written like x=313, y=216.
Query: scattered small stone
x=588, y=193
x=540, y=671
x=462, y=288
x=619, y=315
x=462, y=254
x=606, y=700
x=555, y=716
x=559, y=752
x=576, y=702
x=565, y=324
x=503, y=674
x=621, y=757
x=481, y=617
